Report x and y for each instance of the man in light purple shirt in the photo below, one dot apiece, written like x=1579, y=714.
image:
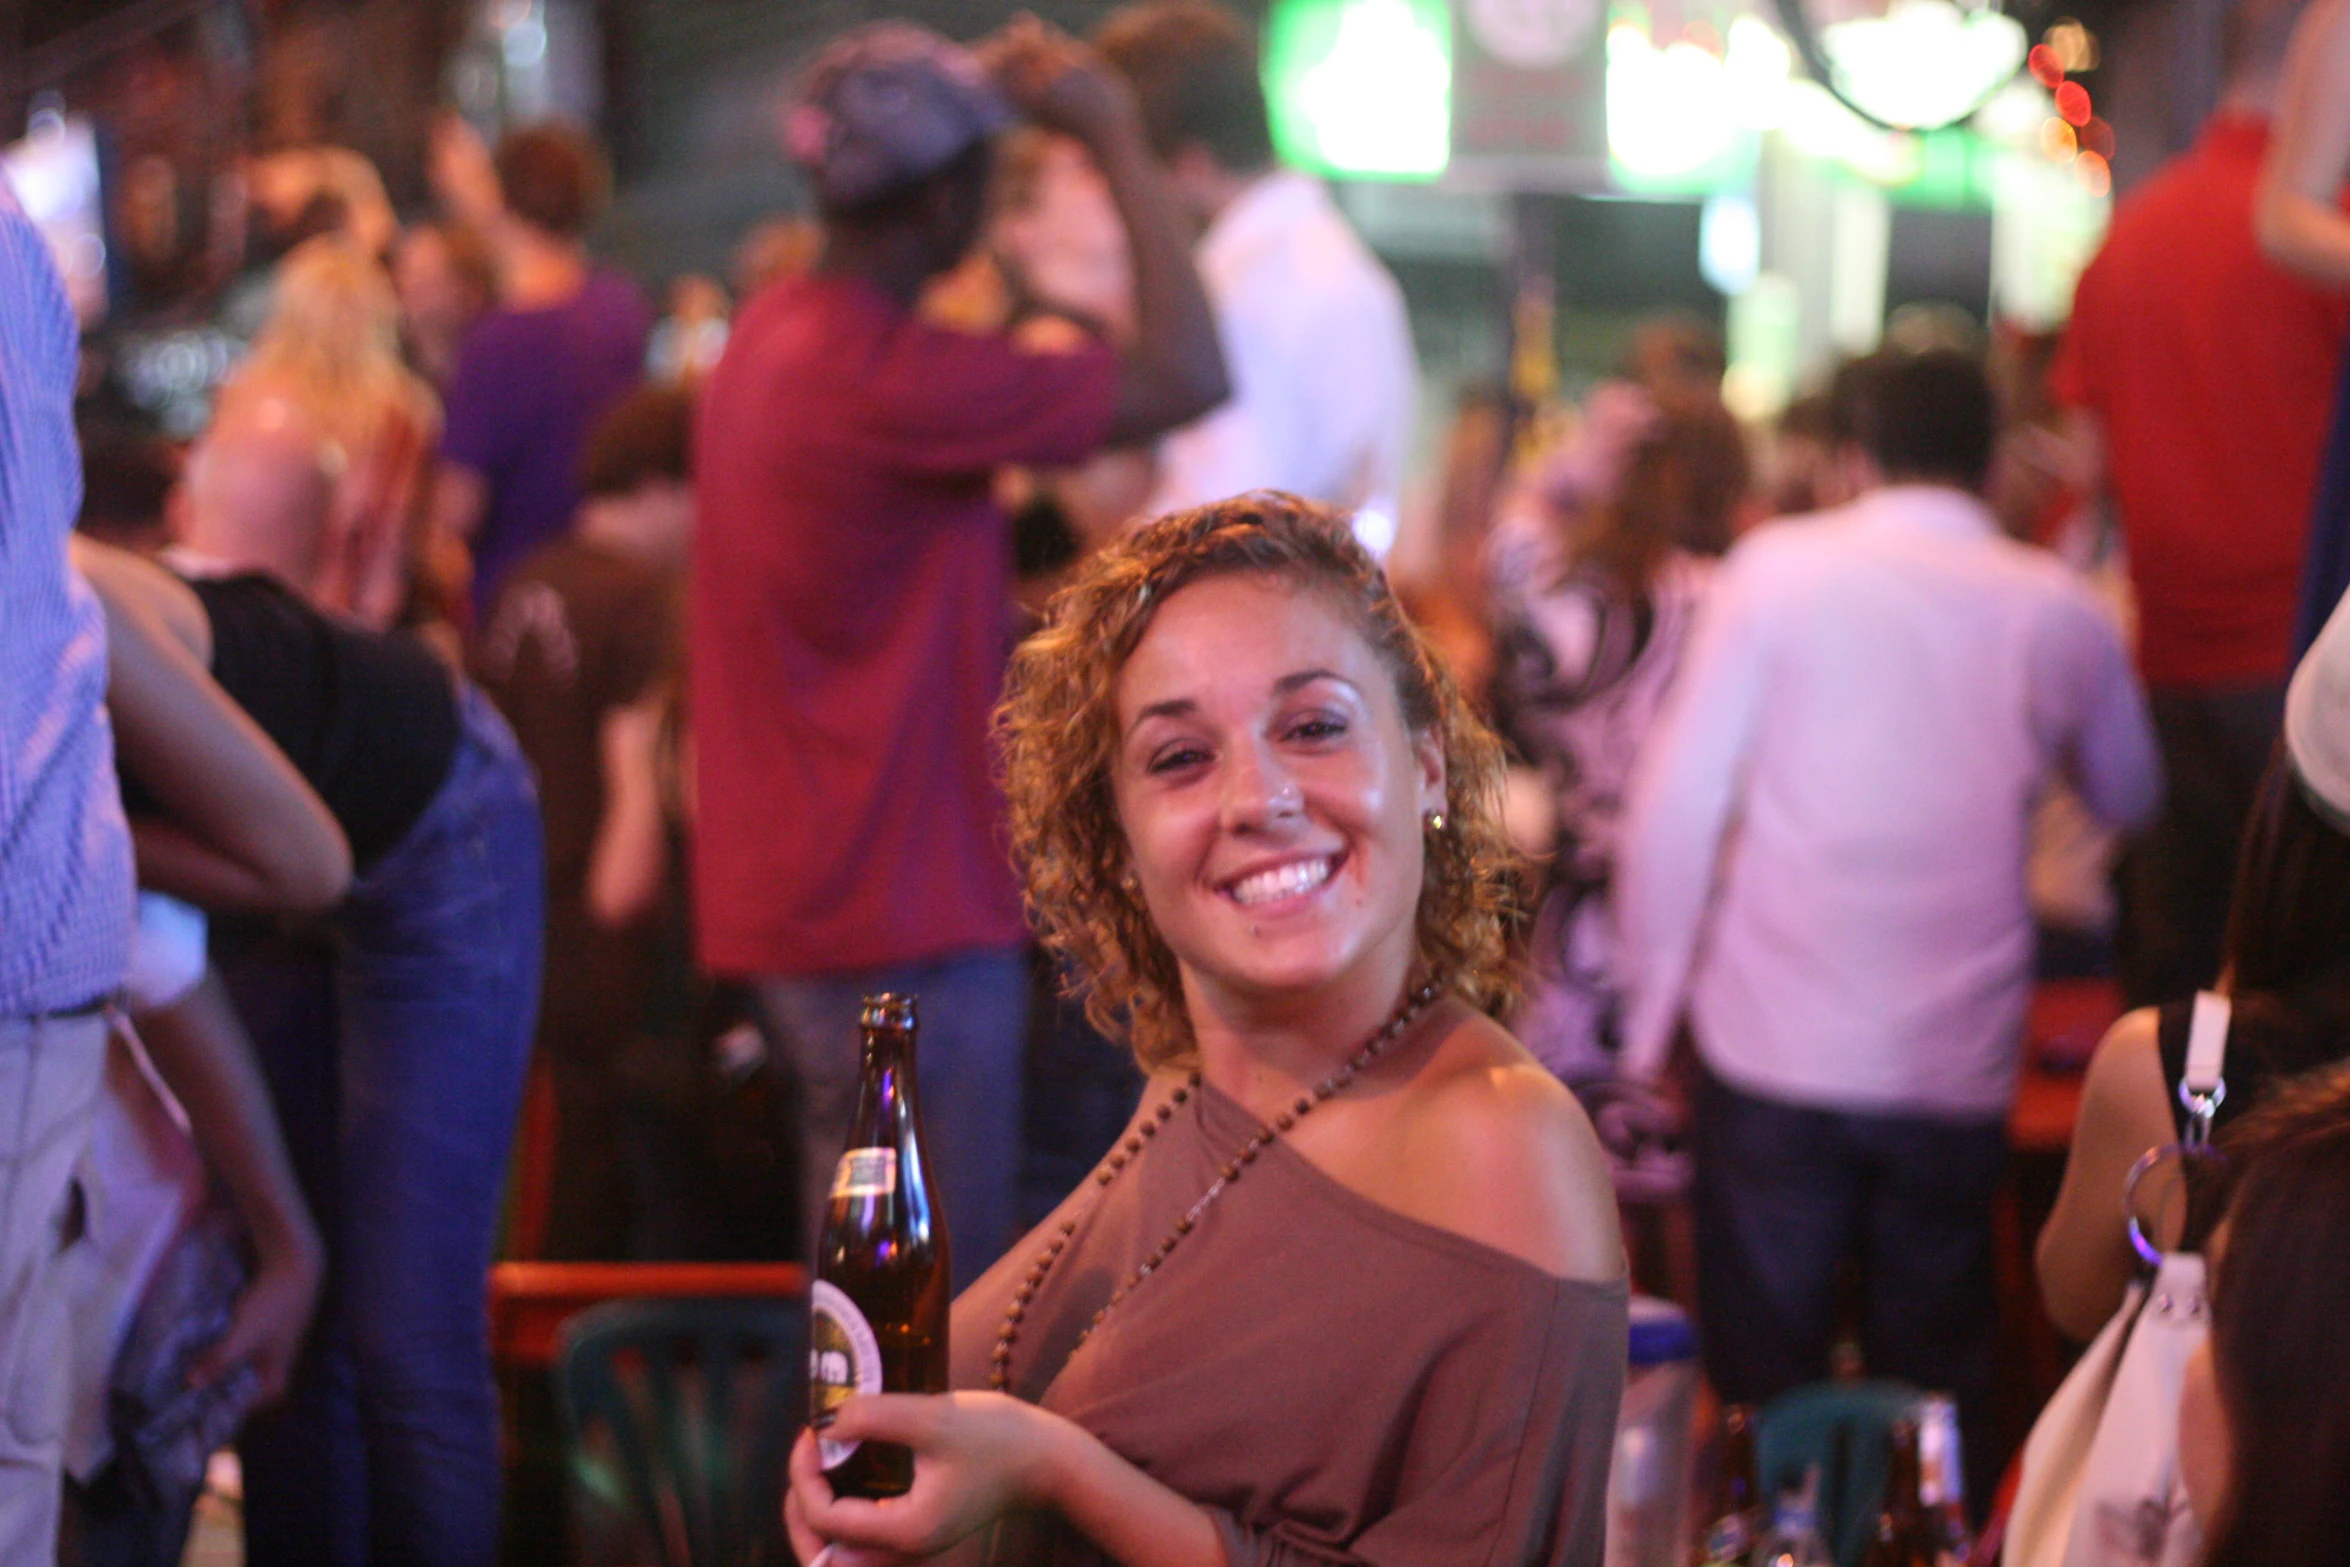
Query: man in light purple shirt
x=65, y=874
x=1823, y=866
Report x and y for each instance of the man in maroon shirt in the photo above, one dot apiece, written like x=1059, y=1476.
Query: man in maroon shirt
x=852, y=595
x=2206, y=374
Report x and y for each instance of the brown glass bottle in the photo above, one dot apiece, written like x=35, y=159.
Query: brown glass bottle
x=1739, y=1515
x=1900, y=1536
x=878, y=1318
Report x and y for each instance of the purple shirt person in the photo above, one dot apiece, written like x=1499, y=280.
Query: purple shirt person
x=533, y=375
x=529, y=384
x=65, y=873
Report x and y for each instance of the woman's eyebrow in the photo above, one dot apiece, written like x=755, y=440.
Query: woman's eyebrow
x=1306, y=677
x=1173, y=707
x=1184, y=707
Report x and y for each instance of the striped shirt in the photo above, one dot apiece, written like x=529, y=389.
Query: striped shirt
x=65, y=853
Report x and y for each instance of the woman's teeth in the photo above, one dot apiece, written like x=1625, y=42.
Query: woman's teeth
x=1283, y=881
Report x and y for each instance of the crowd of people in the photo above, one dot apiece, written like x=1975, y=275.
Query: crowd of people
x=1379, y=899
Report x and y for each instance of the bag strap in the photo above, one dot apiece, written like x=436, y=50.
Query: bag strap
x=2203, y=1086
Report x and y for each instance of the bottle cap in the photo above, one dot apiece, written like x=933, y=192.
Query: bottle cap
x=1661, y=1333
x=888, y=1010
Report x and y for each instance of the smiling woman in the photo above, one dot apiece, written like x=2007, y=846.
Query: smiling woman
x=1350, y=1289
x=1066, y=749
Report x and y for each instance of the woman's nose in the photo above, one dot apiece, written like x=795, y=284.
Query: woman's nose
x=1259, y=793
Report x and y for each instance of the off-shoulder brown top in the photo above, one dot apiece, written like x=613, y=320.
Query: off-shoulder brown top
x=1334, y=1381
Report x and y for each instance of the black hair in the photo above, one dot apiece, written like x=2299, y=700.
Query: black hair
x=127, y=476
x=1193, y=67
x=1919, y=416
x=972, y=170
x=2278, y=1352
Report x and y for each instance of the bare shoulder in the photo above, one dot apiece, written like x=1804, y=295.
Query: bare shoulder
x=2123, y=1097
x=1496, y=1150
x=133, y=584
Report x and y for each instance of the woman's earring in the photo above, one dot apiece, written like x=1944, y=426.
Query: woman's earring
x=1130, y=882
x=1434, y=819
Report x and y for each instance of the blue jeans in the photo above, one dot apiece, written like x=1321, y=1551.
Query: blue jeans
x=398, y=1073
x=1785, y=1195
x=967, y=1067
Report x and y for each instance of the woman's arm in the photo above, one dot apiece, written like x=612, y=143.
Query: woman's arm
x=631, y=850
x=980, y=1456
x=2299, y=217
x=2084, y=1258
x=243, y=831
x=200, y=1049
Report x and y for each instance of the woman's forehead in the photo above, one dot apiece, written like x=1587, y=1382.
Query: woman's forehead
x=1238, y=632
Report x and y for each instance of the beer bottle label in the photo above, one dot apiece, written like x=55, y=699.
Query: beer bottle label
x=866, y=1172
x=843, y=1358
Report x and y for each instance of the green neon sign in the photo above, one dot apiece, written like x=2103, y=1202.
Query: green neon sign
x=1361, y=88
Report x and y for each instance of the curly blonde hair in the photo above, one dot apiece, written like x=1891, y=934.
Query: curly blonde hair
x=1057, y=726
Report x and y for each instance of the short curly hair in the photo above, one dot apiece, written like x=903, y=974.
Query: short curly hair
x=1057, y=726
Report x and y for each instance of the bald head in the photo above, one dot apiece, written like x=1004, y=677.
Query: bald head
x=258, y=492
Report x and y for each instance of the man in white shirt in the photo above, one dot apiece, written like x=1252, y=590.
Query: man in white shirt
x=1313, y=327
x=1823, y=868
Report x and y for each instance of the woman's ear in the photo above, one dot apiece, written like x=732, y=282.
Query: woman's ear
x=1428, y=752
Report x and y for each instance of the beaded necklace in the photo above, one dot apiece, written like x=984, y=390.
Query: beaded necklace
x=1000, y=1366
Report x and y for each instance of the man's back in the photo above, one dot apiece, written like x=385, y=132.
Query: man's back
x=2211, y=372
x=1320, y=347
x=1874, y=697
x=851, y=616
x=529, y=386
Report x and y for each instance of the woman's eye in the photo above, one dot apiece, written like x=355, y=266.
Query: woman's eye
x=1175, y=758
x=1320, y=727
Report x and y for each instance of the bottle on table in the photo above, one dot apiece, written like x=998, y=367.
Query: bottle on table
x=1794, y=1537
x=878, y=1307
x=1737, y=1511
x=1901, y=1538
x=1942, y=1482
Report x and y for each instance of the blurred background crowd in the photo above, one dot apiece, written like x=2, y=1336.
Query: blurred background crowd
x=421, y=336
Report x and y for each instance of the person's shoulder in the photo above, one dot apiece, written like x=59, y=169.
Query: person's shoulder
x=1779, y=552
x=2125, y=1093
x=1506, y=1157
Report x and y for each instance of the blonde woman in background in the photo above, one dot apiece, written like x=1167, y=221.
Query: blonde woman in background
x=326, y=380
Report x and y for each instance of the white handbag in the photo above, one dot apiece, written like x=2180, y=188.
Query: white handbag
x=2100, y=1482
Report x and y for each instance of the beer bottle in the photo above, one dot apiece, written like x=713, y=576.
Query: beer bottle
x=1738, y=1514
x=878, y=1308
x=1900, y=1536
x=1942, y=1482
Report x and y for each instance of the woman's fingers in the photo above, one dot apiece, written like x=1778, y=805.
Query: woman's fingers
x=806, y=1545
x=909, y=1419
x=896, y=1525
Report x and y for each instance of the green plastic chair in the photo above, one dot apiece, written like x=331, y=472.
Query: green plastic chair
x=1846, y=1428
x=680, y=1415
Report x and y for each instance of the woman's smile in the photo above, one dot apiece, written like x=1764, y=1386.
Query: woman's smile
x=1277, y=887
x=1270, y=791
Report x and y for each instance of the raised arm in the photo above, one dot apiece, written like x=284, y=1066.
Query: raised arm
x=2299, y=216
x=1174, y=370
x=242, y=831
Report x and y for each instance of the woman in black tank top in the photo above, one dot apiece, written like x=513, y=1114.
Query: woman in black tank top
x=394, y=1035
x=2288, y=975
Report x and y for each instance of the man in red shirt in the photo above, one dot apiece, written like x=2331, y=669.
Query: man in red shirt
x=852, y=597
x=2206, y=374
